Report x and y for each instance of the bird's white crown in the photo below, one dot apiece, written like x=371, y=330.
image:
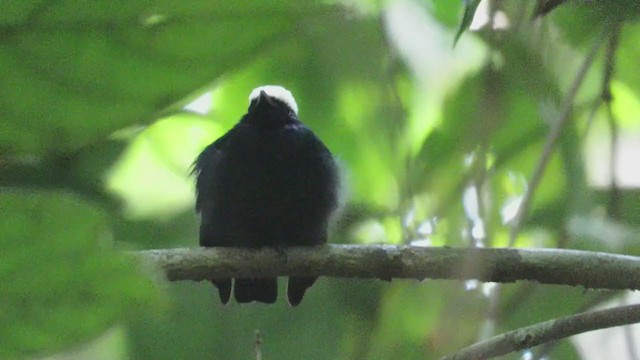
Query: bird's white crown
x=276, y=92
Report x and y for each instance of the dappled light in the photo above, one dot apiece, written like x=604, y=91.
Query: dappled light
x=463, y=133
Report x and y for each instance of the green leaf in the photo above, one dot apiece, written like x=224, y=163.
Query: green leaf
x=73, y=72
x=447, y=12
x=470, y=118
x=627, y=59
x=62, y=284
x=470, y=7
x=581, y=21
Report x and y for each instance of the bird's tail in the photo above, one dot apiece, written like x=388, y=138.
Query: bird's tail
x=224, y=289
x=264, y=290
x=297, y=287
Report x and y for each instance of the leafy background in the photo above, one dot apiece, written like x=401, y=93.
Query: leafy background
x=104, y=105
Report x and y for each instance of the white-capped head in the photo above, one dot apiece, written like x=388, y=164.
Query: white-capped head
x=277, y=92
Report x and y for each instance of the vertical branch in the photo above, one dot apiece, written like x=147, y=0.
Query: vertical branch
x=479, y=185
x=495, y=89
x=493, y=313
x=613, y=207
x=592, y=115
x=629, y=337
x=397, y=115
x=554, y=135
x=552, y=138
x=258, y=345
x=491, y=108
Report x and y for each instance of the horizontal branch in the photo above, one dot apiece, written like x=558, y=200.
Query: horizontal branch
x=540, y=333
x=547, y=266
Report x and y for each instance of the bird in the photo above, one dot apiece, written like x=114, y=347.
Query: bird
x=268, y=182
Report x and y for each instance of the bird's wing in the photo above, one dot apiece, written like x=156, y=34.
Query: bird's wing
x=204, y=168
x=305, y=138
x=330, y=171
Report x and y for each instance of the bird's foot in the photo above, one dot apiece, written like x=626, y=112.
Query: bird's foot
x=282, y=252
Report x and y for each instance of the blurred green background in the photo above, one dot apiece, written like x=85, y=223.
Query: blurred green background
x=104, y=105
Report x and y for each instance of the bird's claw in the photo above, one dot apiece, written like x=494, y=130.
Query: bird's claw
x=282, y=252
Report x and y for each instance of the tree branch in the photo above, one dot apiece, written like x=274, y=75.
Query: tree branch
x=547, y=331
x=553, y=136
x=547, y=266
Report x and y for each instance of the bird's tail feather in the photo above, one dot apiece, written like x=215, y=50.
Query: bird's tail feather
x=264, y=290
x=224, y=289
x=297, y=287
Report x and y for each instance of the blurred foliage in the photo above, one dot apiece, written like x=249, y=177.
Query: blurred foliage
x=437, y=141
x=60, y=282
x=470, y=7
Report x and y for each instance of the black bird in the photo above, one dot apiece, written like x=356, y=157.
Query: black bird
x=268, y=182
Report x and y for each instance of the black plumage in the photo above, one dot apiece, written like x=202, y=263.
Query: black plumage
x=268, y=182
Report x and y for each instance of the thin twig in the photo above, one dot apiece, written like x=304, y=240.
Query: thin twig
x=397, y=116
x=258, y=345
x=606, y=98
x=552, y=138
x=613, y=207
x=540, y=333
x=554, y=134
x=598, y=299
x=493, y=313
x=629, y=337
x=493, y=90
x=592, y=116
